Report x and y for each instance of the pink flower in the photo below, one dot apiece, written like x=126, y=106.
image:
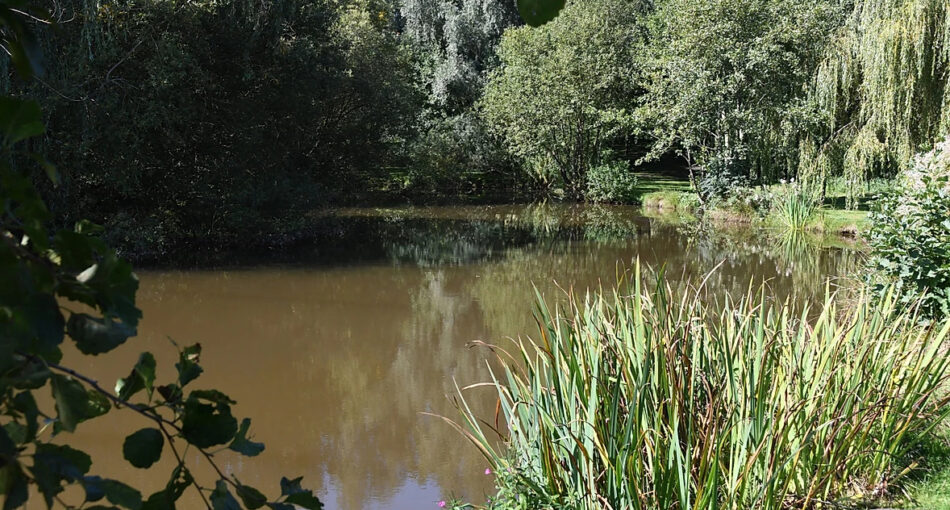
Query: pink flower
x=487, y=471
x=442, y=504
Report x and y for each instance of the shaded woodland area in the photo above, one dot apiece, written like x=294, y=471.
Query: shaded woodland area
x=185, y=125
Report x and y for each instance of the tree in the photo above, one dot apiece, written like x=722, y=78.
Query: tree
x=236, y=117
x=882, y=90
x=453, y=45
x=726, y=82
x=563, y=91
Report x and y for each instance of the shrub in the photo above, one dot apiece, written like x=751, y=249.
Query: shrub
x=642, y=400
x=611, y=182
x=910, y=232
x=722, y=176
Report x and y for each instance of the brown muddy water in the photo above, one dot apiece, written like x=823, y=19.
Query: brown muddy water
x=336, y=350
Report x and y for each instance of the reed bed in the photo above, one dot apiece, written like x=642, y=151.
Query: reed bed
x=652, y=400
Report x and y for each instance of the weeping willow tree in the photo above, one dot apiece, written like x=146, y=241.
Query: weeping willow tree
x=881, y=90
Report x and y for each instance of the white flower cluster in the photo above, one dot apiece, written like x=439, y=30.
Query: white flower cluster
x=928, y=169
x=933, y=164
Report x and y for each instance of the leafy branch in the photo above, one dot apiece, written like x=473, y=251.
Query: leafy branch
x=40, y=270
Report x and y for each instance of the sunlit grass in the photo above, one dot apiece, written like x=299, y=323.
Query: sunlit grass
x=641, y=399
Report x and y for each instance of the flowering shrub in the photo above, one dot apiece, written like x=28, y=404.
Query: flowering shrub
x=910, y=232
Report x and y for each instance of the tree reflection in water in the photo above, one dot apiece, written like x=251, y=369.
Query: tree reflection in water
x=336, y=352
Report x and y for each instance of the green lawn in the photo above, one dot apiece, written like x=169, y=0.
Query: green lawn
x=931, y=490
x=651, y=183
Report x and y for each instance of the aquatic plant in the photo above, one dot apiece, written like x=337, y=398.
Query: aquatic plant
x=794, y=207
x=650, y=399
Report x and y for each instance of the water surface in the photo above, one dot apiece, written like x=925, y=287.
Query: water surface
x=338, y=348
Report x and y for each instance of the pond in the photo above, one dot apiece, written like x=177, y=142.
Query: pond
x=338, y=349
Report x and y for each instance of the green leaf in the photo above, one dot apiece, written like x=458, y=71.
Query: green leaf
x=144, y=447
x=121, y=494
x=19, y=120
x=14, y=432
x=70, y=398
x=115, y=285
x=25, y=405
x=30, y=375
x=297, y=495
x=95, y=336
x=180, y=480
x=221, y=498
x=159, y=501
x=188, y=368
x=170, y=392
x=13, y=485
x=251, y=497
x=40, y=314
x=242, y=444
x=55, y=464
x=8, y=449
x=141, y=378
x=205, y=425
x=117, y=493
x=305, y=499
x=74, y=404
x=539, y=12
x=288, y=487
x=93, y=487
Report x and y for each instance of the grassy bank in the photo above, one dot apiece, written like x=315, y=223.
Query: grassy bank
x=764, y=206
x=929, y=489
x=650, y=399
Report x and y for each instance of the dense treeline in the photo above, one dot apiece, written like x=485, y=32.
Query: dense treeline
x=221, y=123
x=187, y=122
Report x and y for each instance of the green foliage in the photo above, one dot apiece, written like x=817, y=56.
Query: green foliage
x=539, y=12
x=611, y=182
x=881, y=89
x=457, y=155
x=910, y=233
x=563, y=91
x=794, y=206
x=143, y=448
x=237, y=117
x=649, y=399
x=46, y=274
x=453, y=46
x=725, y=82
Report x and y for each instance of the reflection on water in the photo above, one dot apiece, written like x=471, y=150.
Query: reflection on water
x=336, y=352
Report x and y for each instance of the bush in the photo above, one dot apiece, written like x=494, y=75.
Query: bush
x=910, y=233
x=644, y=400
x=722, y=176
x=457, y=155
x=611, y=182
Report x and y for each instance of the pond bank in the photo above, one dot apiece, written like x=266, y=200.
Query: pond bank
x=840, y=222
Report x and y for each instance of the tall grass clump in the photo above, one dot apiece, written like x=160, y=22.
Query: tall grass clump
x=644, y=400
x=795, y=207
